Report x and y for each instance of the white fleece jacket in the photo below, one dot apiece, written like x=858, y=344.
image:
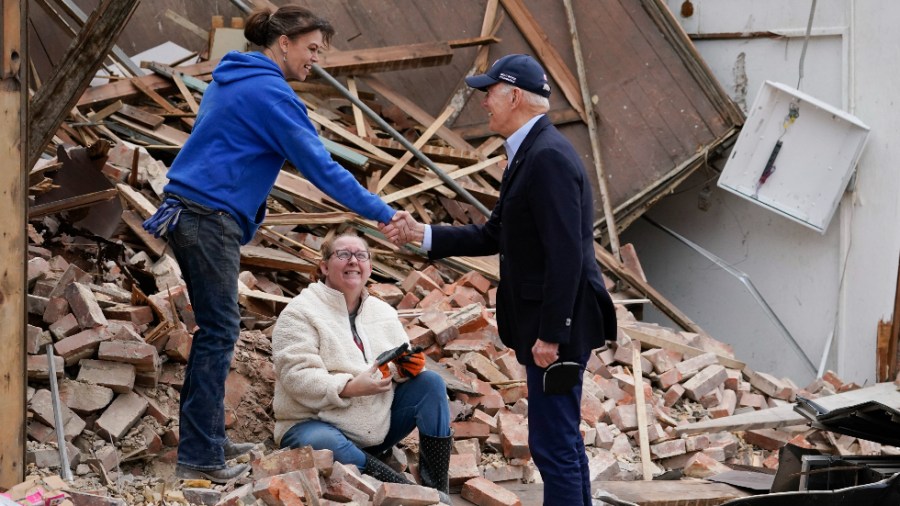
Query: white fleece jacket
x=315, y=356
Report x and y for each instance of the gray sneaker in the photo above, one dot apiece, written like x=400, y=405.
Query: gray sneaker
x=234, y=450
x=223, y=475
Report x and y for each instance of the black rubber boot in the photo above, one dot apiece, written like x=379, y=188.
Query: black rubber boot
x=383, y=472
x=434, y=463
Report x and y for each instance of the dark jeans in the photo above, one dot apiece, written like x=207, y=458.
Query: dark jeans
x=554, y=438
x=420, y=402
x=207, y=246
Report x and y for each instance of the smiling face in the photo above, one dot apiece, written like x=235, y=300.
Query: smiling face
x=300, y=53
x=498, y=102
x=347, y=276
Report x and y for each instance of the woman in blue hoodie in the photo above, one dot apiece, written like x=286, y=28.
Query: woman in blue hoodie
x=250, y=122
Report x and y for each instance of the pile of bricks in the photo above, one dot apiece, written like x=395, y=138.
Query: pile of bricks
x=120, y=356
x=295, y=476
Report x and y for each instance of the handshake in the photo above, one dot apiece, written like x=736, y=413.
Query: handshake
x=409, y=362
x=403, y=228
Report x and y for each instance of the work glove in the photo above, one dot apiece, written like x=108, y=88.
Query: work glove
x=385, y=370
x=165, y=219
x=409, y=365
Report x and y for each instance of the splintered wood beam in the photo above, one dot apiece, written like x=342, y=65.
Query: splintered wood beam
x=416, y=112
x=162, y=133
x=134, y=222
x=104, y=113
x=546, y=53
x=473, y=41
x=161, y=101
x=314, y=219
x=140, y=116
x=611, y=228
x=425, y=137
x=268, y=258
x=442, y=154
x=126, y=64
x=76, y=202
x=186, y=93
x=123, y=89
x=641, y=407
x=358, y=119
x=386, y=59
x=436, y=182
x=59, y=94
x=13, y=205
x=651, y=340
x=136, y=200
x=350, y=136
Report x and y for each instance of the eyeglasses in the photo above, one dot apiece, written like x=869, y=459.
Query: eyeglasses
x=344, y=255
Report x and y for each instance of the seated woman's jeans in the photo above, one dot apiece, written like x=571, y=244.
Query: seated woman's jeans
x=420, y=402
x=207, y=246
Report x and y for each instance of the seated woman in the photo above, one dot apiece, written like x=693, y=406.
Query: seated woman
x=329, y=392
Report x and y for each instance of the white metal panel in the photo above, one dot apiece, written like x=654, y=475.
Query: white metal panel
x=794, y=155
x=795, y=268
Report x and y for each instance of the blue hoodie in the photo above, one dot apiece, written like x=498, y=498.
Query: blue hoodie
x=251, y=121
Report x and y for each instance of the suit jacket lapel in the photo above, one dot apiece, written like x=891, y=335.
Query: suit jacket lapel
x=513, y=166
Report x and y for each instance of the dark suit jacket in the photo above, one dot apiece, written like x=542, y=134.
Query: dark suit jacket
x=542, y=226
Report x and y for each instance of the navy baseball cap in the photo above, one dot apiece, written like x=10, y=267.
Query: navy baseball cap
x=519, y=70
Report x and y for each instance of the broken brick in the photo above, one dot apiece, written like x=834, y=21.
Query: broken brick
x=486, y=493
x=121, y=415
x=84, y=305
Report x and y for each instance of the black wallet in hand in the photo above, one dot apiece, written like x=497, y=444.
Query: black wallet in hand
x=560, y=377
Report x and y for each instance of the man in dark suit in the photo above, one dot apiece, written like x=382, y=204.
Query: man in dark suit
x=552, y=305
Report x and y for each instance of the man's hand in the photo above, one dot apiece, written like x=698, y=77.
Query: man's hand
x=368, y=382
x=544, y=353
x=403, y=228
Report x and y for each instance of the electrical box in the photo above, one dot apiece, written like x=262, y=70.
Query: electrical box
x=795, y=155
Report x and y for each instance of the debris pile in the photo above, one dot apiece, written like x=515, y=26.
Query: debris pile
x=109, y=300
x=119, y=322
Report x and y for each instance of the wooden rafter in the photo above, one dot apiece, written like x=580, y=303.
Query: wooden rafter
x=59, y=94
x=546, y=53
x=426, y=135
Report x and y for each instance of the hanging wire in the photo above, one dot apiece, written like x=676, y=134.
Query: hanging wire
x=812, y=12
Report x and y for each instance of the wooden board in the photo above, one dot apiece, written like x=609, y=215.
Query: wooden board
x=645, y=493
x=885, y=393
x=688, y=351
x=385, y=59
x=134, y=222
x=274, y=259
x=546, y=53
x=13, y=205
x=435, y=153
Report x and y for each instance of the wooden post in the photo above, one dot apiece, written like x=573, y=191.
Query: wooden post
x=13, y=195
x=593, y=134
x=641, y=407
